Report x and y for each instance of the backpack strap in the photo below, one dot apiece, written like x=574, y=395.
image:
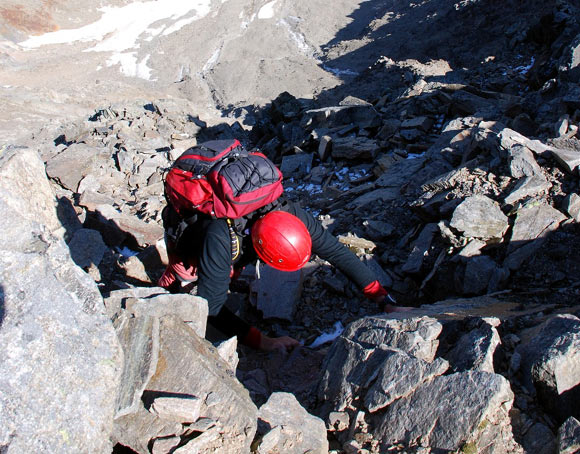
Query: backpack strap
x=175, y=225
x=234, y=240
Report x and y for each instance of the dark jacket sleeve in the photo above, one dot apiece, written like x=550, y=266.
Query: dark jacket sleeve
x=215, y=261
x=327, y=247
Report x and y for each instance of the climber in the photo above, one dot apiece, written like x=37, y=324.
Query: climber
x=212, y=252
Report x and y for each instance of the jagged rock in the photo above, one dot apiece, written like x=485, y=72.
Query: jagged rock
x=61, y=360
x=429, y=417
x=509, y=138
x=76, y=162
x=480, y=217
x=189, y=366
x=378, y=195
x=165, y=445
x=139, y=338
x=550, y=363
x=296, y=165
x=479, y=271
x=156, y=302
x=522, y=162
x=338, y=421
x=324, y=147
x=182, y=409
x=475, y=349
x=416, y=336
x=353, y=148
x=539, y=439
x=389, y=384
x=91, y=199
x=400, y=173
x=205, y=442
x=471, y=249
x=352, y=241
x=228, y=351
x=569, y=65
x=469, y=104
x=347, y=367
x=287, y=427
x=569, y=437
x=357, y=368
x=389, y=128
x=420, y=248
x=528, y=187
x=378, y=230
x=277, y=293
x=568, y=159
x=410, y=402
x=117, y=228
x=533, y=222
x=422, y=123
x=572, y=206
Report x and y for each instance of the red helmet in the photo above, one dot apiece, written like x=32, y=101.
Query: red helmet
x=282, y=241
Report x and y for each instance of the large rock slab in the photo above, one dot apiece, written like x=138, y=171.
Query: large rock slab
x=533, y=223
x=449, y=412
x=157, y=302
x=76, y=162
x=60, y=363
x=416, y=335
x=376, y=396
x=191, y=368
x=550, y=364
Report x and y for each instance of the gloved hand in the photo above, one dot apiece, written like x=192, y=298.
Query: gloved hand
x=284, y=343
x=377, y=293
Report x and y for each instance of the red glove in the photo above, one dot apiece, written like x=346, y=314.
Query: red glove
x=377, y=293
x=253, y=338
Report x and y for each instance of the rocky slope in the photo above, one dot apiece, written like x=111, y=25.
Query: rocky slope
x=447, y=159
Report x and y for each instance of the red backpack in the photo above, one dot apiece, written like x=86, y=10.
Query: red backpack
x=221, y=179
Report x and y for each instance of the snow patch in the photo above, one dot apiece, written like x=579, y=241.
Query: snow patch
x=298, y=39
x=267, y=11
x=130, y=66
x=119, y=30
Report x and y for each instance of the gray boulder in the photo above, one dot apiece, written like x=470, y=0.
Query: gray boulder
x=416, y=336
x=391, y=397
x=61, y=360
x=474, y=350
x=569, y=437
x=191, y=369
x=568, y=159
x=572, y=206
x=76, y=162
x=480, y=217
x=353, y=148
x=523, y=163
x=533, y=223
x=450, y=413
x=287, y=427
x=550, y=364
x=528, y=187
x=157, y=302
